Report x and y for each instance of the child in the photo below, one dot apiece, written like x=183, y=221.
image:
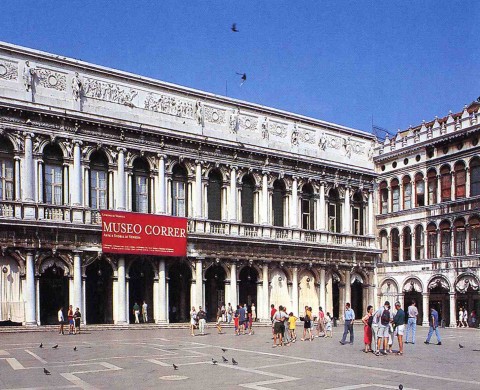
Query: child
x=292, y=324
x=235, y=323
x=250, y=323
x=328, y=325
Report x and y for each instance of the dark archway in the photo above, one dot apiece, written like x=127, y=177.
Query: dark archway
x=54, y=294
x=247, y=286
x=140, y=287
x=336, y=298
x=180, y=276
x=418, y=298
x=440, y=301
x=357, y=298
x=214, y=290
x=99, y=293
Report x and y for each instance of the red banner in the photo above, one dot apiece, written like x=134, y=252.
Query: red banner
x=143, y=234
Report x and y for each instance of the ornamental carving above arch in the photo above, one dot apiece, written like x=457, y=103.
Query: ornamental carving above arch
x=389, y=287
x=466, y=282
x=54, y=261
x=438, y=282
x=412, y=285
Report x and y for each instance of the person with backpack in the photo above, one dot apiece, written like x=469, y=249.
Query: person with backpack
x=367, y=329
x=384, y=317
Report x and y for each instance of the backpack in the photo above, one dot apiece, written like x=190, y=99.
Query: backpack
x=385, y=318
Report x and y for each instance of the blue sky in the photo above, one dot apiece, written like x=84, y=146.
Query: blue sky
x=340, y=61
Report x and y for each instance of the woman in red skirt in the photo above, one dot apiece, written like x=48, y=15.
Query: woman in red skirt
x=367, y=329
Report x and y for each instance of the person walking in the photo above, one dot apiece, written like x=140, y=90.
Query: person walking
x=71, y=323
x=412, y=322
x=328, y=325
x=399, y=326
x=460, y=318
x=136, y=312
x=348, y=327
x=321, y=322
x=292, y=324
x=465, y=318
x=229, y=312
x=307, y=318
x=201, y=315
x=367, y=329
x=145, y=312
x=76, y=318
x=278, y=326
x=254, y=312
x=61, y=320
x=220, y=318
x=433, y=321
x=193, y=320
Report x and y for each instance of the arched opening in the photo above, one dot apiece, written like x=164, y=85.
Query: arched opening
x=308, y=207
x=180, y=276
x=141, y=186
x=336, y=297
x=248, y=286
x=475, y=177
x=407, y=243
x=99, y=293
x=247, y=199
x=407, y=192
x=389, y=291
x=307, y=291
x=467, y=287
x=214, y=195
x=214, y=290
x=395, y=241
x=278, y=203
x=356, y=291
x=54, y=290
x=395, y=188
x=279, y=288
x=140, y=287
x=445, y=183
x=413, y=292
x=179, y=191
x=7, y=175
x=432, y=240
x=459, y=237
x=383, y=238
x=439, y=299
x=460, y=180
x=53, y=175
x=432, y=186
x=419, y=243
x=358, y=213
x=98, y=181
x=334, y=211
x=12, y=311
x=419, y=190
x=474, y=227
x=383, y=197
x=446, y=238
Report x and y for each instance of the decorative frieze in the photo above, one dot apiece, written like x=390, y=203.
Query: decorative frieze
x=214, y=115
x=8, y=70
x=307, y=136
x=51, y=79
x=278, y=129
x=248, y=122
x=109, y=92
x=170, y=105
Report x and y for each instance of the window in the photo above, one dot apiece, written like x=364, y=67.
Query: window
x=98, y=181
x=140, y=183
x=383, y=198
x=407, y=193
x=247, y=199
x=278, y=203
x=475, y=177
x=419, y=190
x=6, y=170
x=460, y=236
x=307, y=207
x=395, y=239
x=179, y=191
x=432, y=241
x=446, y=236
x=395, y=195
x=358, y=213
x=53, y=175
x=460, y=180
x=474, y=223
x=419, y=243
x=446, y=183
x=214, y=195
x=407, y=244
x=432, y=186
x=334, y=212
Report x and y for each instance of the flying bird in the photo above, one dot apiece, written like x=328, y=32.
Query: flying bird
x=46, y=372
x=225, y=360
x=234, y=27
x=41, y=345
x=460, y=346
x=74, y=348
x=234, y=362
x=224, y=350
x=214, y=361
x=175, y=367
x=243, y=78
x=55, y=346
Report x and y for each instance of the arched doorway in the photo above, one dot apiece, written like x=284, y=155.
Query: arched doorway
x=140, y=287
x=439, y=299
x=248, y=286
x=356, y=291
x=336, y=296
x=279, y=289
x=214, y=290
x=12, y=308
x=308, y=292
x=180, y=276
x=54, y=290
x=467, y=287
x=412, y=290
x=99, y=293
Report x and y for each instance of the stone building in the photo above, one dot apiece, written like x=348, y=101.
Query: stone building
x=280, y=207
x=428, y=217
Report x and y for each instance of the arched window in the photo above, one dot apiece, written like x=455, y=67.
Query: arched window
x=278, y=203
x=419, y=190
x=474, y=226
x=407, y=243
x=383, y=197
x=475, y=177
x=384, y=245
x=358, y=214
x=6, y=170
x=432, y=241
x=179, y=191
x=140, y=186
x=395, y=188
x=307, y=207
x=334, y=212
x=432, y=186
x=446, y=237
x=247, y=199
x=98, y=181
x=395, y=240
x=446, y=183
x=53, y=175
x=214, y=195
x=460, y=180
x=419, y=243
x=407, y=193
x=460, y=236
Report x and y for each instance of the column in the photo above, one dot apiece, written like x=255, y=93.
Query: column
x=375, y=288
x=77, y=281
x=389, y=248
x=264, y=209
x=111, y=190
x=322, y=289
x=390, y=198
x=400, y=247
x=40, y=181
x=371, y=214
x=346, y=212
x=295, y=291
x=453, y=318
x=198, y=190
x=321, y=209
x=199, y=284
x=400, y=197
x=28, y=170
x=426, y=309
x=294, y=205
x=161, y=194
x=121, y=185
x=452, y=186
x=121, y=283
x=413, y=253
x=467, y=183
x=233, y=195
x=66, y=187
x=30, y=297
x=86, y=180
x=265, y=301
x=162, y=293
x=18, y=176
x=348, y=288
x=439, y=189
x=233, y=284
x=76, y=190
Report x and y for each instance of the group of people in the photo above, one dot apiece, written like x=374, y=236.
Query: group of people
x=466, y=321
x=73, y=318
x=136, y=312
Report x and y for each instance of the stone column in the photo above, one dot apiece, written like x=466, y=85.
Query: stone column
x=162, y=292
x=77, y=281
x=467, y=184
x=400, y=247
x=439, y=189
x=30, y=297
x=66, y=186
x=453, y=322
x=265, y=301
x=40, y=181
x=375, y=289
x=322, y=289
x=121, y=185
x=233, y=195
x=233, y=284
x=413, y=247
x=294, y=205
x=77, y=185
x=28, y=170
x=18, y=176
x=426, y=309
x=265, y=209
x=452, y=186
x=199, y=284
x=389, y=248
x=295, y=291
x=121, y=283
x=390, y=199
x=161, y=194
x=371, y=214
x=321, y=208
x=348, y=287
x=198, y=190
x=400, y=197
x=346, y=212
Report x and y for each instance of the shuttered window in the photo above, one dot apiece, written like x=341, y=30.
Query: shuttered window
x=446, y=184
x=247, y=199
x=214, y=196
x=460, y=181
x=475, y=177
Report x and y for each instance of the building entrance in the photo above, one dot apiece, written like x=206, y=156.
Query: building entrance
x=440, y=301
x=140, y=287
x=179, y=275
x=417, y=297
x=214, y=290
x=99, y=293
x=54, y=293
x=357, y=298
x=247, y=286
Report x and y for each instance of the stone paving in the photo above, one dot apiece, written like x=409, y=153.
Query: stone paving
x=144, y=358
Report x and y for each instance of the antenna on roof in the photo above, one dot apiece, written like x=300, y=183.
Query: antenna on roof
x=381, y=133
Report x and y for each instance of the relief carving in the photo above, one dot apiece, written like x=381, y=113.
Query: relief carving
x=51, y=79
x=169, y=105
x=234, y=121
x=412, y=285
x=28, y=75
x=294, y=139
x=265, y=128
x=8, y=70
x=307, y=136
x=215, y=115
x=278, y=129
x=248, y=123
x=438, y=282
x=76, y=86
x=465, y=283
x=109, y=92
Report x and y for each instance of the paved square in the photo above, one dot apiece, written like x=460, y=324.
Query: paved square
x=144, y=358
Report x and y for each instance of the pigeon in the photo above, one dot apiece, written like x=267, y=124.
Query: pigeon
x=400, y=387
x=175, y=367
x=234, y=362
x=234, y=27
x=224, y=350
x=55, y=346
x=244, y=77
x=74, y=348
x=460, y=346
x=225, y=360
x=41, y=345
x=214, y=361
x=46, y=372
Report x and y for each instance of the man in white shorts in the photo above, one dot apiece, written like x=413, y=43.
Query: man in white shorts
x=384, y=317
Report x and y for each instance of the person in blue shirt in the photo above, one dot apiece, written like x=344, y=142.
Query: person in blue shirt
x=349, y=318
x=433, y=327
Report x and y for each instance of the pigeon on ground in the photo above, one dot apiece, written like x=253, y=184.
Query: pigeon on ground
x=460, y=346
x=55, y=346
x=400, y=387
x=234, y=27
x=74, y=348
x=234, y=362
x=225, y=360
x=224, y=350
x=214, y=361
x=175, y=367
x=41, y=345
x=46, y=372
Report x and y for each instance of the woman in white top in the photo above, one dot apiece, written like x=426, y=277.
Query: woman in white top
x=193, y=321
x=465, y=318
x=460, y=318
